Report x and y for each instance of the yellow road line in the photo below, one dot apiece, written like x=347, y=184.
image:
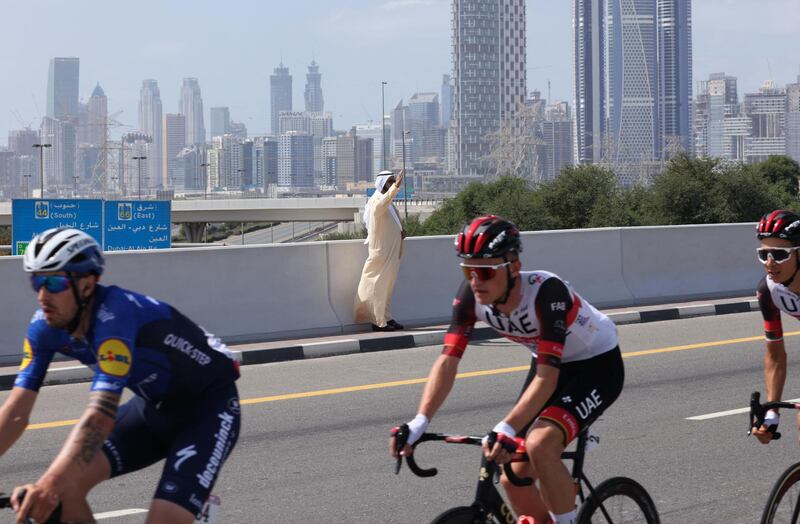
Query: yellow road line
x=701, y=345
x=57, y=424
x=470, y=374
x=382, y=385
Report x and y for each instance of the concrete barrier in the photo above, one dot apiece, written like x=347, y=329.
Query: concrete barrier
x=690, y=262
x=590, y=259
x=250, y=293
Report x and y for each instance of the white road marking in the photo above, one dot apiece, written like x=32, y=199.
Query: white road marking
x=729, y=412
x=118, y=513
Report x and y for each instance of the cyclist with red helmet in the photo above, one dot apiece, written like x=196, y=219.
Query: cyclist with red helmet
x=778, y=290
x=576, y=369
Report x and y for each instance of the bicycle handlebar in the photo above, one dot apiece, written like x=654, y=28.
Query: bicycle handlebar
x=451, y=439
x=55, y=517
x=758, y=411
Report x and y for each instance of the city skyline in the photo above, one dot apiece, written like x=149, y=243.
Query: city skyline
x=723, y=39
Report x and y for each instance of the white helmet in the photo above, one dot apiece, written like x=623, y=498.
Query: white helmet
x=64, y=249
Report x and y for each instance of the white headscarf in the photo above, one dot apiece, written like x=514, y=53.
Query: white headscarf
x=380, y=181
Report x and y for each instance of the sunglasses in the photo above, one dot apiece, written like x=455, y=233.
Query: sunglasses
x=481, y=272
x=778, y=254
x=52, y=283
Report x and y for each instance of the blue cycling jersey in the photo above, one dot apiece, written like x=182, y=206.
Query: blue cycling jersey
x=134, y=341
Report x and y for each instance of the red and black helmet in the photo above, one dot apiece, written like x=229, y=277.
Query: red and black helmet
x=488, y=237
x=780, y=224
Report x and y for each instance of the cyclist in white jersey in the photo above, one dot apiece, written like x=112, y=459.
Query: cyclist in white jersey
x=778, y=290
x=576, y=370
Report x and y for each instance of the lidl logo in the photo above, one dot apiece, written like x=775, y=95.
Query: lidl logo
x=124, y=211
x=21, y=246
x=27, y=355
x=114, y=357
x=41, y=209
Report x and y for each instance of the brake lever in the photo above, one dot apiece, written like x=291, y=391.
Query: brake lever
x=756, y=415
x=401, y=439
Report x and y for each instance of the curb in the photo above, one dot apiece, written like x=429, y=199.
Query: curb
x=75, y=374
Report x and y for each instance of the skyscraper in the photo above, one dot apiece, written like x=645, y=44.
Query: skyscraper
x=489, y=74
x=373, y=131
x=220, y=121
x=634, y=132
x=296, y=160
x=98, y=116
x=767, y=112
x=62, y=87
x=423, y=113
x=793, y=120
x=313, y=94
x=174, y=140
x=191, y=107
x=280, y=95
x=588, y=18
x=21, y=141
x=60, y=160
x=723, y=104
x=675, y=74
x=151, y=124
x=446, y=100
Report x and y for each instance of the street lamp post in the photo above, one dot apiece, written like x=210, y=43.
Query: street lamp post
x=27, y=189
x=75, y=185
x=405, y=186
x=41, y=147
x=139, y=168
x=205, y=165
x=383, y=125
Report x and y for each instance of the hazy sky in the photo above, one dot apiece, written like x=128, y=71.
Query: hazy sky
x=232, y=47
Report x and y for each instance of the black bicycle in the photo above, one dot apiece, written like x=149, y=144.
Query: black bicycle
x=783, y=503
x=5, y=503
x=616, y=500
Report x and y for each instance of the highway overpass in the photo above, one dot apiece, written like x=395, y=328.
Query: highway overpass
x=325, y=209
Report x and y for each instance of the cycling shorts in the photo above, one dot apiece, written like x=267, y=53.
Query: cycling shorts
x=195, y=437
x=585, y=389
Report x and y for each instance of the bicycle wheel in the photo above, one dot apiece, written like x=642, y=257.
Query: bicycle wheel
x=618, y=500
x=783, y=504
x=463, y=515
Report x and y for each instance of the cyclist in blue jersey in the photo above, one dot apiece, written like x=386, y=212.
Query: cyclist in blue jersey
x=185, y=406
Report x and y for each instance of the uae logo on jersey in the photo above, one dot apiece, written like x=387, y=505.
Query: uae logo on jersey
x=114, y=357
x=27, y=355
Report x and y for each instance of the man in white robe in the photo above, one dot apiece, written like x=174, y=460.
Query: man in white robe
x=385, y=236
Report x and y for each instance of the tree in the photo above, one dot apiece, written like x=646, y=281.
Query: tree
x=746, y=194
x=627, y=207
x=780, y=170
x=570, y=199
x=509, y=197
x=705, y=191
x=685, y=193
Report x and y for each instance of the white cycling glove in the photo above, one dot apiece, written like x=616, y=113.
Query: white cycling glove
x=771, y=419
x=505, y=427
x=416, y=427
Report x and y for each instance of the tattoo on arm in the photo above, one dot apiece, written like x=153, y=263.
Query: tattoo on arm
x=91, y=443
x=104, y=405
x=91, y=432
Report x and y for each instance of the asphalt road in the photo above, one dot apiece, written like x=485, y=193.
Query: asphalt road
x=321, y=455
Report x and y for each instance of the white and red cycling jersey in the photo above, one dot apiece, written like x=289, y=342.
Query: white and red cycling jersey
x=552, y=320
x=772, y=299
